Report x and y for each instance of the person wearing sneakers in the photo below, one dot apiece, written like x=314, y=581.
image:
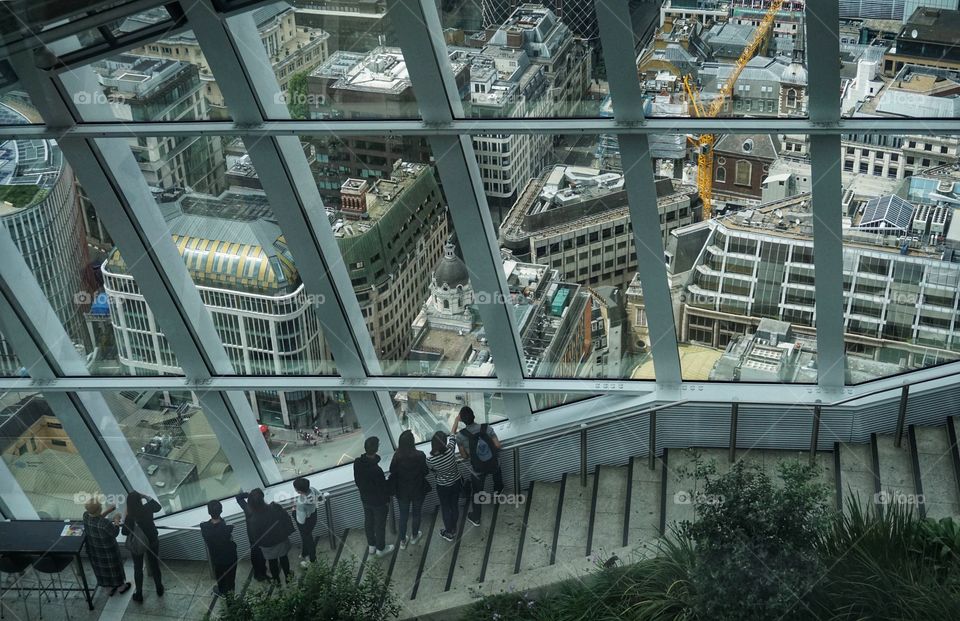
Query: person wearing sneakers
x=375, y=496
x=305, y=512
x=442, y=462
x=408, y=473
x=481, y=447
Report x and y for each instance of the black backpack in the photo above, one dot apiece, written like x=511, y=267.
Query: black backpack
x=483, y=452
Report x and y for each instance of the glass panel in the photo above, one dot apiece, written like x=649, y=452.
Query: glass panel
x=308, y=431
x=545, y=401
x=42, y=459
x=337, y=60
x=531, y=60
x=16, y=107
x=900, y=59
x=745, y=304
x=40, y=207
x=736, y=59
x=425, y=412
x=238, y=258
x=164, y=80
x=901, y=239
x=569, y=253
x=390, y=219
x=175, y=445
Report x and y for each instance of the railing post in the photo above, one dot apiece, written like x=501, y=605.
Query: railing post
x=328, y=511
x=734, y=412
x=902, y=415
x=652, y=458
x=516, y=470
x=815, y=434
x=583, y=455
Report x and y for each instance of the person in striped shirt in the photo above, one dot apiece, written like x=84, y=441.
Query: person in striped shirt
x=443, y=463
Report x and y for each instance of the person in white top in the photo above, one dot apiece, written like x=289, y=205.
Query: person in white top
x=305, y=514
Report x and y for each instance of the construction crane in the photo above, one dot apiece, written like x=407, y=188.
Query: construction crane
x=705, y=142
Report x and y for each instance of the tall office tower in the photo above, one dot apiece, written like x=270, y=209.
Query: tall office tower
x=236, y=255
x=359, y=25
x=900, y=272
x=579, y=15
x=142, y=88
x=875, y=9
x=391, y=233
x=40, y=210
x=576, y=220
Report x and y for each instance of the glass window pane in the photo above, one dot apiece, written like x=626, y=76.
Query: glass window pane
x=308, y=431
x=900, y=240
x=899, y=59
x=544, y=401
x=164, y=80
x=745, y=308
x=175, y=445
x=42, y=459
x=424, y=412
x=395, y=237
x=531, y=60
x=569, y=254
x=337, y=60
x=726, y=59
x=238, y=258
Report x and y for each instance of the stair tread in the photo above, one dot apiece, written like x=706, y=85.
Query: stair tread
x=856, y=474
x=506, y=539
x=645, y=502
x=936, y=472
x=608, y=520
x=473, y=545
x=574, y=519
x=437, y=563
x=896, y=465
x=541, y=520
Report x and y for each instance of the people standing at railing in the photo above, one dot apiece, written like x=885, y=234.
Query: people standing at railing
x=305, y=508
x=143, y=541
x=218, y=535
x=102, y=547
x=270, y=527
x=375, y=496
x=480, y=445
x=256, y=554
x=408, y=474
x=446, y=471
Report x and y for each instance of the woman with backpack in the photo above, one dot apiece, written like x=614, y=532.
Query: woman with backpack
x=442, y=462
x=408, y=475
x=143, y=540
x=270, y=527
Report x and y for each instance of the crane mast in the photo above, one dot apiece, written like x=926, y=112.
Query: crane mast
x=705, y=142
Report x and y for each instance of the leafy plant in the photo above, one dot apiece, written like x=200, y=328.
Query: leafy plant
x=321, y=593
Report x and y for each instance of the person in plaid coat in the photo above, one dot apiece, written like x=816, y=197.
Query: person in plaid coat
x=102, y=547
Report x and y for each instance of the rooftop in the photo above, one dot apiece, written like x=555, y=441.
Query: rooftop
x=380, y=198
x=28, y=168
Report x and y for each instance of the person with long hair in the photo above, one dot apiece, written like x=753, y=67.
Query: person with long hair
x=269, y=527
x=102, y=548
x=143, y=540
x=408, y=472
x=442, y=462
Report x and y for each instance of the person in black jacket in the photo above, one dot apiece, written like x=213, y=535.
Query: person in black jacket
x=408, y=473
x=143, y=540
x=256, y=555
x=218, y=535
x=270, y=527
x=375, y=496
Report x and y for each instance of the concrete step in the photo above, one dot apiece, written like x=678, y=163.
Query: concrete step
x=406, y=563
x=896, y=468
x=436, y=561
x=470, y=553
x=575, y=515
x=502, y=557
x=354, y=550
x=937, y=474
x=645, y=501
x=609, y=514
x=683, y=487
x=856, y=475
x=541, y=521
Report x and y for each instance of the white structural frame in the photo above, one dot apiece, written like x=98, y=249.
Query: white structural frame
x=95, y=145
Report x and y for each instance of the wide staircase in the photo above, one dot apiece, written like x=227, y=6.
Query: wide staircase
x=562, y=529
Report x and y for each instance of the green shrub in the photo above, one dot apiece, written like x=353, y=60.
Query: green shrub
x=320, y=593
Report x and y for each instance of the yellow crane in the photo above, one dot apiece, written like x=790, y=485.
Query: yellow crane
x=705, y=142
